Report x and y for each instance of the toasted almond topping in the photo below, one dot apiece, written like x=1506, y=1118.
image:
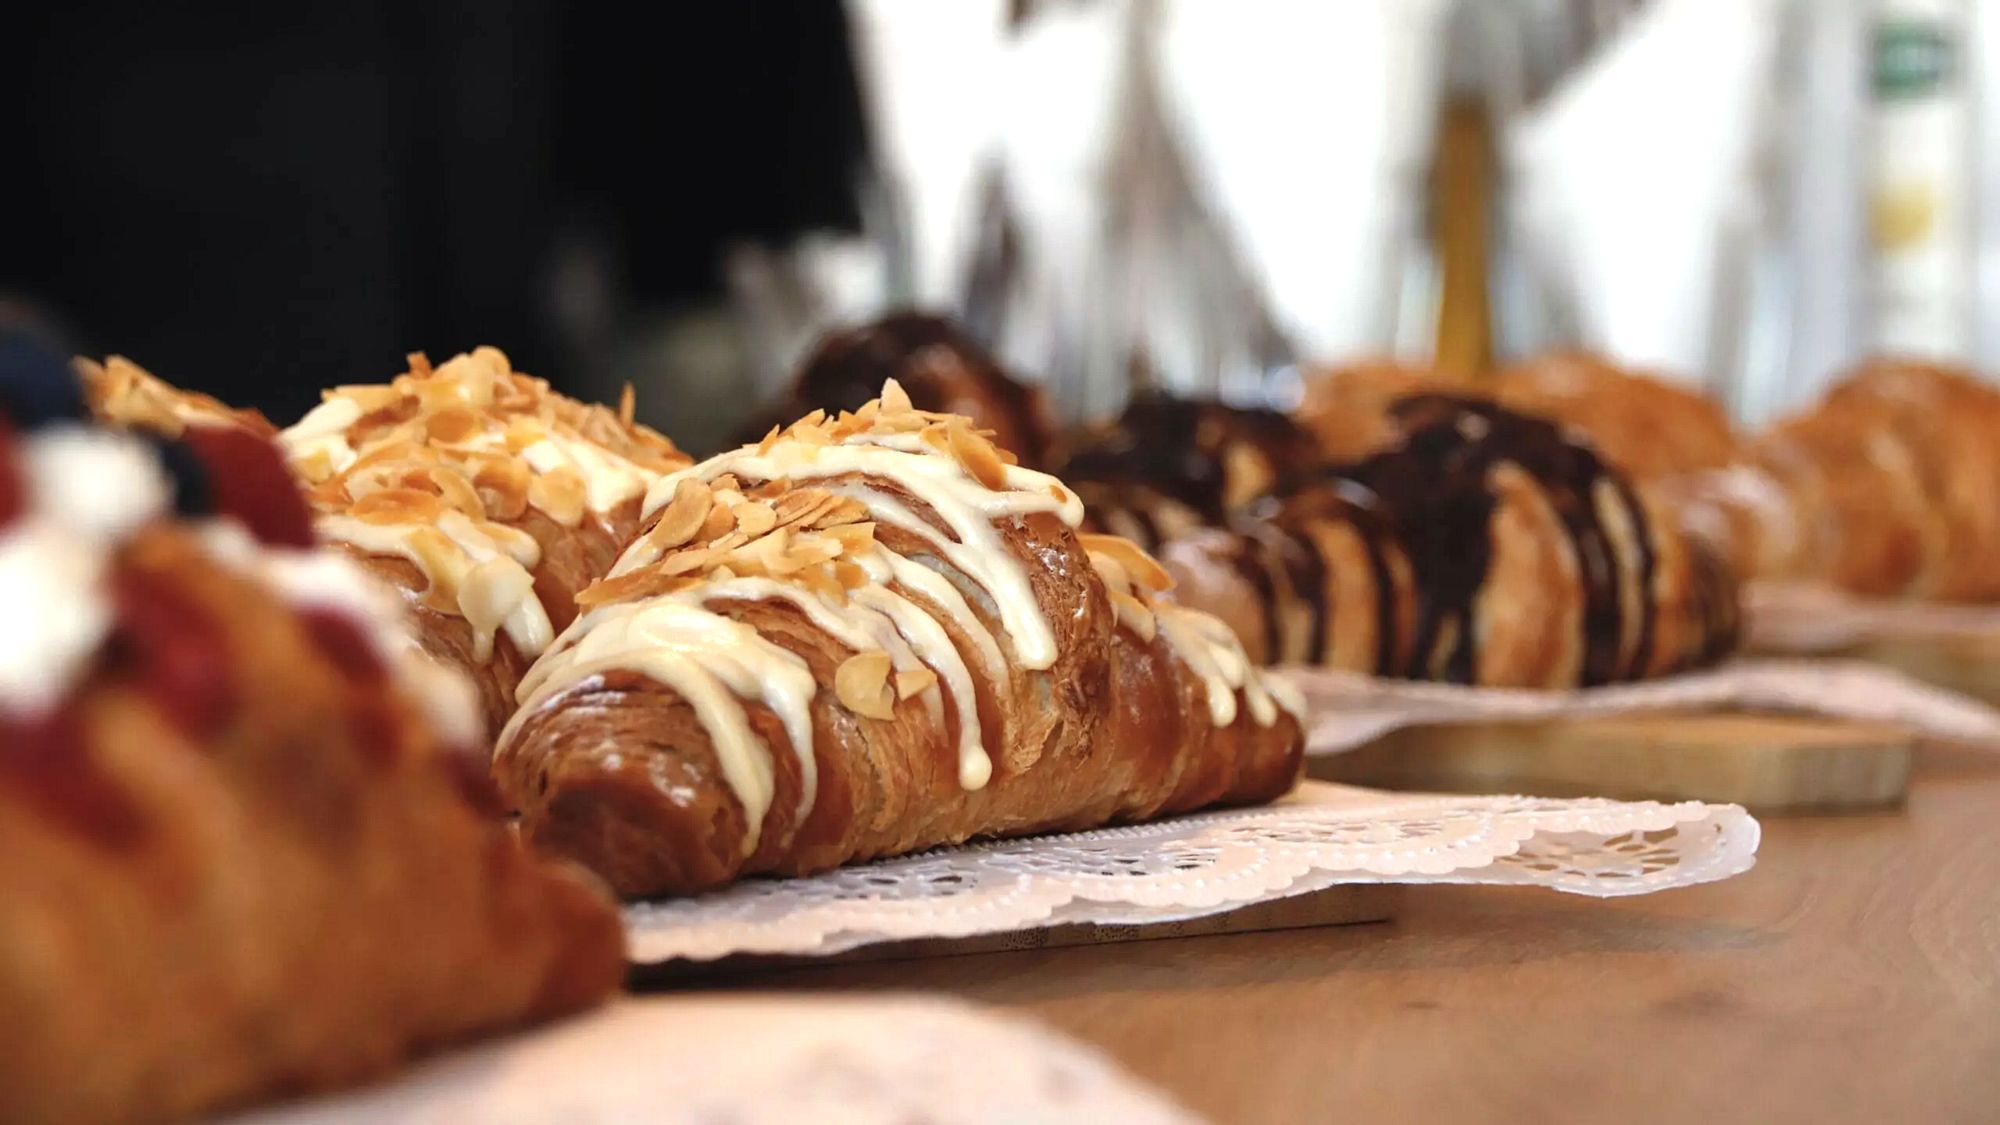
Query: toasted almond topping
x=560, y=494
x=397, y=505
x=452, y=424
x=754, y=518
x=682, y=517
x=690, y=561
x=894, y=400
x=456, y=490
x=850, y=576
x=1061, y=495
x=976, y=454
x=820, y=580
x=843, y=510
x=1111, y=571
x=770, y=439
x=1133, y=614
x=716, y=524
x=913, y=681
x=627, y=404
x=852, y=537
x=420, y=364
x=1142, y=567
x=862, y=684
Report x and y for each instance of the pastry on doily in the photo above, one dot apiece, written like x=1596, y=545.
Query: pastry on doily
x=122, y=393
x=248, y=844
x=865, y=636
x=1483, y=547
x=1893, y=485
x=1168, y=465
x=939, y=367
x=485, y=496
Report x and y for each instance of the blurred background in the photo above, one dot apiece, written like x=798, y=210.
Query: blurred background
x=1748, y=195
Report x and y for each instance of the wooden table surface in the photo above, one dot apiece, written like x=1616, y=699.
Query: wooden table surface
x=1853, y=975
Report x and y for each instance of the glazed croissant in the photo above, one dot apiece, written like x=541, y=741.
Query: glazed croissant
x=1483, y=547
x=866, y=636
x=1890, y=486
x=489, y=499
x=247, y=842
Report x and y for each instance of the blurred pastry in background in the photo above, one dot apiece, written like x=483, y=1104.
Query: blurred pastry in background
x=1166, y=465
x=1652, y=428
x=938, y=365
x=248, y=844
x=1482, y=546
x=1347, y=407
x=487, y=498
x=1889, y=487
x=122, y=393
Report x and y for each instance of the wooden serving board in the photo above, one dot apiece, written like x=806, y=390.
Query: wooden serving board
x=1346, y=905
x=1768, y=763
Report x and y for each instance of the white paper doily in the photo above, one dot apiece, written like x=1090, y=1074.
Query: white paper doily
x=1208, y=863
x=1347, y=710
x=1805, y=620
x=746, y=1061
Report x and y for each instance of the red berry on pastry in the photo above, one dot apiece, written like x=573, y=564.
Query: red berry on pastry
x=13, y=490
x=176, y=651
x=248, y=480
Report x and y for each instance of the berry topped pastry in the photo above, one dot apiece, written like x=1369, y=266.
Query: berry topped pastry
x=248, y=844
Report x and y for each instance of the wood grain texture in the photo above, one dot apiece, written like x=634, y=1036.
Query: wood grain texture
x=1853, y=975
x=1771, y=763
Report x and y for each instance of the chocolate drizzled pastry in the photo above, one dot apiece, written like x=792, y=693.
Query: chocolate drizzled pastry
x=1484, y=546
x=940, y=367
x=1168, y=465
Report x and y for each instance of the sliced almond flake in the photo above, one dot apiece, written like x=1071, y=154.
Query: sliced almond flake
x=852, y=537
x=850, y=576
x=560, y=494
x=862, y=685
x=420, y=364
x=1142, y=567
x=1133, y=614
x=754, y=519
x=717, y=523
x=1006, y=455
x=770, y=439
x=909, y=683
x=843, y=510
x=820, y=580
x=934, y=436
x=397, y=505
x=1060, y=493
x=457, y=491
x=682, y=517
x=628, y=403
x=690, y=561
x=895, y=400
x=1111, y=571
x=451, y=425
x=976, y=454
x=726, y=482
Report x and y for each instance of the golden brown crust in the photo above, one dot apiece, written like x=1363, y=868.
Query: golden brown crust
x=623, y=774
x=1651, y=428
x=292, y=902
x=1347, y=408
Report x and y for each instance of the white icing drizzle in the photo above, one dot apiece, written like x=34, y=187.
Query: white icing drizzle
x=475, y=560
x=711, y=661
x=1214, y=654
x=87, y=490
x=966, y=506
